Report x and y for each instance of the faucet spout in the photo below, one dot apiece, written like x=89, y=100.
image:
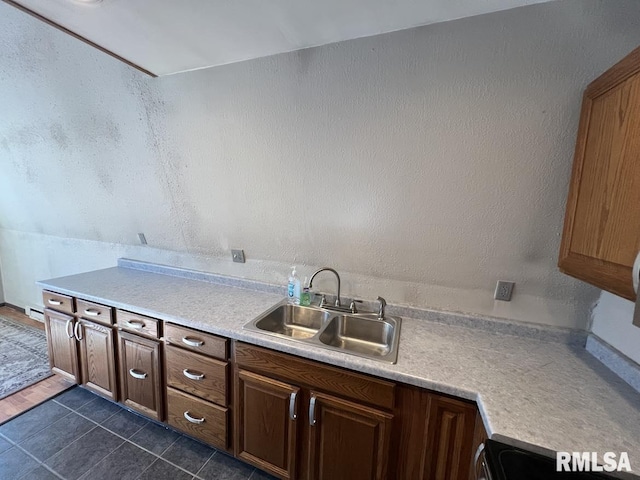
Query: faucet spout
x=323, y=269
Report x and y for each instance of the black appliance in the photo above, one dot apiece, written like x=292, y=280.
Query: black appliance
x=499, y=461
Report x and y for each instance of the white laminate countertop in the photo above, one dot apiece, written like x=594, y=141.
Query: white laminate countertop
x=533, y=393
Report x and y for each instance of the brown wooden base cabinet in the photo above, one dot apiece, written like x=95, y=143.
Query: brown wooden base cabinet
x=292, y=417
x=305, y=420
x=82, y=351
x=141, y=386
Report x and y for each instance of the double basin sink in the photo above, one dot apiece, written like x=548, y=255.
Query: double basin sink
x=362, y=334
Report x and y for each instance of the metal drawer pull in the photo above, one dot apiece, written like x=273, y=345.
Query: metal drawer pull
x=312, y=411
x=92, y=312
x=135, y=324
x=66, y=327
x=292, y=405
x=197, y=421
x=77, y=331
x=192, y=376
x=54, y=302
x=192, y=343
x=137, y=374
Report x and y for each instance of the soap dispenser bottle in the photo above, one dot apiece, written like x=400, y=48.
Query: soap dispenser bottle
x=293, y=288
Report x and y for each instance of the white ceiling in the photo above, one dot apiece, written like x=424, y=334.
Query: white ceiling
x=171, y=36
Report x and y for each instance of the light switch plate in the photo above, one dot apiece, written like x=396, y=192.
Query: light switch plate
x=238, y=256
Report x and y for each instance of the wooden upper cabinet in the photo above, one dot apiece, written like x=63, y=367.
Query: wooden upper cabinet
x=601, y=236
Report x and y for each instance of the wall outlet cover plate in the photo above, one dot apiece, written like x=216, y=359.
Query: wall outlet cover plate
x=504, y=290
x=237, y=256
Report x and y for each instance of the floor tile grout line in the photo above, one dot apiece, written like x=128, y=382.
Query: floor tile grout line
x=135, y=444
x=11, y=442
x=40, y=463
x=38, y=431
x=148, y=467
x=205, y=463
x=127, y=439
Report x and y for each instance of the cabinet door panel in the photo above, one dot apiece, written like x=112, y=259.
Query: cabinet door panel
x=97, y=362
x=266, y=423
x=451, y=425
x=63, y=355
x=601, y=236
x=140, y=379
x=347, y=440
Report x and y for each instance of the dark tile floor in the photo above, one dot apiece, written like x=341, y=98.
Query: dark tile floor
x=78, y=435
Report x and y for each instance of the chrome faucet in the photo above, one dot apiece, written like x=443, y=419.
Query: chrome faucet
x=337, y=277
x=383, y=303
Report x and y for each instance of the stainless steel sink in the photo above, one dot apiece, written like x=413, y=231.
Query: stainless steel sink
x=362, y=334
x=293, y=321
x=366, y=336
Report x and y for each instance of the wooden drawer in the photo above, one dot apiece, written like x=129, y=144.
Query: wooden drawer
x=94, y=312
x=59, y=302
x=315, y=375
x=195, y=417
x=132, y=322
x=196, y=374
x=196, y=341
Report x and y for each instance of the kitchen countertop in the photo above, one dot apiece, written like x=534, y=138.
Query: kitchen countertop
x=538, y=394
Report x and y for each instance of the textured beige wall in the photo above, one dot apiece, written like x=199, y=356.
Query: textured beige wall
x=612, y=317
x=424, y=164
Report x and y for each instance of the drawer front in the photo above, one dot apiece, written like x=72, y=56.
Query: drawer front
x=59, y=302
x=196, y=374
x=316, y=375
x=132, y=322
x=196, y=341
x=195, y=417
x=94, y=312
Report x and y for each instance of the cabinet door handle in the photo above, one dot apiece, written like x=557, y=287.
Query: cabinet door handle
x=54, y=302
x=292, y=405
x=191, y=419
x=635, y=273
x=192, y=376
x=77, y=331
x=191, y=342
x=92, y=312
x=312, y=410
x=137, y=374
x=69, y=331
x=135, y=324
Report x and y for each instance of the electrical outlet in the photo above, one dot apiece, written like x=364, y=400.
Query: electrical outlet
x=237, y=256
x=504, y=290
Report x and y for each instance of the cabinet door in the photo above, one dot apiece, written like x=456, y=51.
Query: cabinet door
x=347, y=440
x=450, y=431
x=601, y=236
x=63, y=354
x=97, y=364
x=266, y=423
x=140, y=380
